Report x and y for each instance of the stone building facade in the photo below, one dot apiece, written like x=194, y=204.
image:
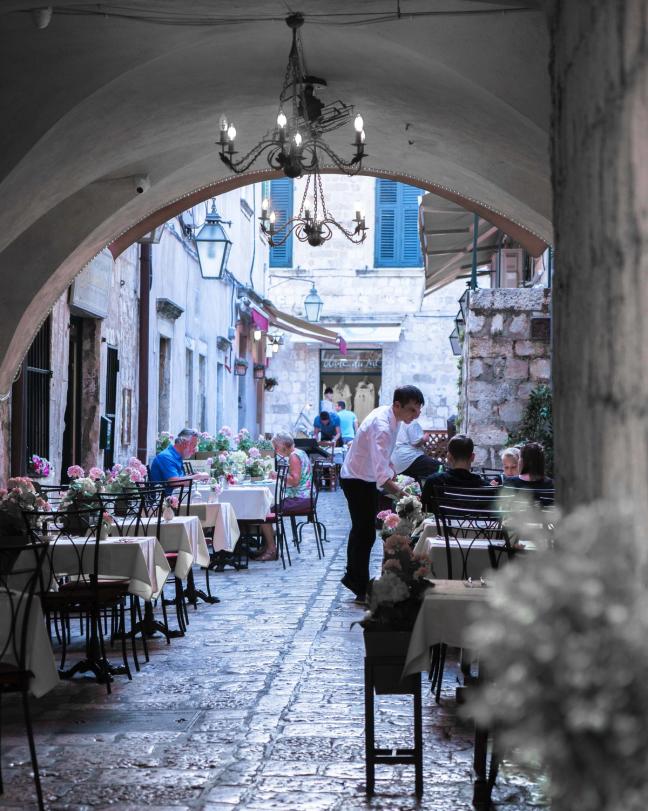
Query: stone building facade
x=506, y=354
x=373, y=308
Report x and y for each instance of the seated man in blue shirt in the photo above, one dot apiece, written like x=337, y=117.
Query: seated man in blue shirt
x=327, y=427
x=167, y=465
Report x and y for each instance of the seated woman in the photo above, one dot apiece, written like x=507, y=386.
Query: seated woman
x=298, y=487
x=532, y=470
x=510, y=466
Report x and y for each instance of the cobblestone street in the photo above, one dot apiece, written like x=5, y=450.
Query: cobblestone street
x=260, y=706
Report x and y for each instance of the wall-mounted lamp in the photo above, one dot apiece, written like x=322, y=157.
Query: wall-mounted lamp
x=257, y=334
x=240, y=367
x=259, y=371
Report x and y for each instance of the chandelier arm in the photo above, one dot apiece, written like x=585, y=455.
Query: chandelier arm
x=247, y=160
x=355, y=164
x=276, y=243
x=350, y=235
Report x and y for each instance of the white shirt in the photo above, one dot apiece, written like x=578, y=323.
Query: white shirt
x=369, y=456
x=405, y=452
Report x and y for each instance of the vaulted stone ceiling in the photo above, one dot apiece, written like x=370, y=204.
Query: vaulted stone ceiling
x=457, y=101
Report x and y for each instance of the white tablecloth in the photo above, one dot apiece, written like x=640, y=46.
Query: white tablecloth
x=140, y=559
x=39, y=657
x=222, y=519
x=251, y=503
x=478, y=560
x=446, y=611
x=183, y=534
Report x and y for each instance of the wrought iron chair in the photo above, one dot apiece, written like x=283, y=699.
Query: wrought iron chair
x=19, y=580
x=309, y=512
x=74, y=559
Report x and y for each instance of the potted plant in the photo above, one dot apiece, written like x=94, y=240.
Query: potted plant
x=265, y=447
x=243, y=440
x=206, y=446
x=395, y=597
x=269, y=383
x=163, y=441
x=255, y=466
x=38, y=467
x=19, y=496
x=223, y=439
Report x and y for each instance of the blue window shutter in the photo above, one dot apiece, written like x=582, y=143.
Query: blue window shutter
x=397, y=241
x=281, y=202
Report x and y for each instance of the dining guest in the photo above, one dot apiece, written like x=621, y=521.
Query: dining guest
x=168, y=464
x=459, y=474
x=367, y=467
x=409, y=457
x=327, y=404
x=298, y=487
x=532, y=469
x=348, y=422
x=510, y=465
x=326, y=427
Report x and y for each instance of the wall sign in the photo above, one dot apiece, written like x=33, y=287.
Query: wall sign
x=356, y=361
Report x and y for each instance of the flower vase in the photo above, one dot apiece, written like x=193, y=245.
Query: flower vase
x=104, y=532
x=168, y=514
x=389, y=649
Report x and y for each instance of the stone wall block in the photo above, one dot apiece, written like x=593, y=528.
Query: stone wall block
x=515, y=369
x=540, y=370
x=520, y=326
x=475, y=324
x=531, y=349
x=488, y=348
x=511, y=412
x=497, y=324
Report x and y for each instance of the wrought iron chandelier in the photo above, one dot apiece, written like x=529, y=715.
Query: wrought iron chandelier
x=295, y=145
x=313, y=223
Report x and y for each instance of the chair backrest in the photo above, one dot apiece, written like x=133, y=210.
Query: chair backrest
x=19, y=581
x=464, y=525
x=188, y=468
x=280, y=487
x=73, y=542
x=328, y=446
x=181, y=489
x=544, y=495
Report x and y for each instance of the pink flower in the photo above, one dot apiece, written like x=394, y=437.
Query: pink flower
x=383, y=514
x=397, y=543
x=392, y=565
x=95, y=473
x=225, y=430
x=107, y=518
x=3, y=492
x=422, y=571
x=254, y=453
x=172, y=501
x=209, y=461
x=75, y=472
x=42, y=504
x=222, y=457
x=391, y=521
x=135, y=476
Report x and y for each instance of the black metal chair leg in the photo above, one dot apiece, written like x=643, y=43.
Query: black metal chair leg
x=32, y=751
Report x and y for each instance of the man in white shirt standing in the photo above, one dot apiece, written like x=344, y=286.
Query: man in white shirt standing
x=408, y=457
x=367, y=467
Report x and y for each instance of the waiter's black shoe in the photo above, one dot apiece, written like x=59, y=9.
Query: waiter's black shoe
x=351, y=585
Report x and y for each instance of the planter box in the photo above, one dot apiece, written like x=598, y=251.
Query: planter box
x=205, y=454
x=386, y=651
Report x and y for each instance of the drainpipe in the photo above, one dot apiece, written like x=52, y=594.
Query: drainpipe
x=473, y=272
x=146, y=276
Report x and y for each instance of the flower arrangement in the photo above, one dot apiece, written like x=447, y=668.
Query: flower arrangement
x=244, y=441
x=219, y=464
x=163, y=441
x=405, y=520
x=206, y=442
x=169, y=508
x=256, y=465
x=394, y=597
x=564, y=644
x=223, y=439
x=123, y=479
x=107, y=522
x=264, y=444
x=81, y=494
x=214, y=486
x=236, y=462
x=38, y=466
x=20, y=495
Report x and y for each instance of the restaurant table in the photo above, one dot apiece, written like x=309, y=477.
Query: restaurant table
x=183, y=535
x=251, y=502
x=140, y=559
x=446, y=611
x=222, y=518
x=39, y=657
x=479, y=563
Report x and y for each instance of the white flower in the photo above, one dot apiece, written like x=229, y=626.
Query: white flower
x=389, y=588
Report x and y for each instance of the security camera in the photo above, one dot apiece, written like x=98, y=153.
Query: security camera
x=142, y=183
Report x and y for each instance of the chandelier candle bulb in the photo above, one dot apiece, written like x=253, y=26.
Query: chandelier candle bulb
x=264, y=208
x=257, y=334
x=281, y=119
x=298, y=140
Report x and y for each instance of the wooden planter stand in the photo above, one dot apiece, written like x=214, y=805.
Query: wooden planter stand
x=384, y=662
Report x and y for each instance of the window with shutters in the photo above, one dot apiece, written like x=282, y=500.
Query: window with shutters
x=396, y=232
x=39, y=374
x=281, y=202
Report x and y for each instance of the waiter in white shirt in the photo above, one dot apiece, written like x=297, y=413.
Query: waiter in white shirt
x=366, y=468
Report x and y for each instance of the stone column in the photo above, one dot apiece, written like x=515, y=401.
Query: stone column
x=599, y=73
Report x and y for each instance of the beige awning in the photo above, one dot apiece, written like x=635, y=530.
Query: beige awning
x=447, y=241
x=298, y=326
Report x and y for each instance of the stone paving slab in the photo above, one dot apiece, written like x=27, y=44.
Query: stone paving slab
x=259, y=707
